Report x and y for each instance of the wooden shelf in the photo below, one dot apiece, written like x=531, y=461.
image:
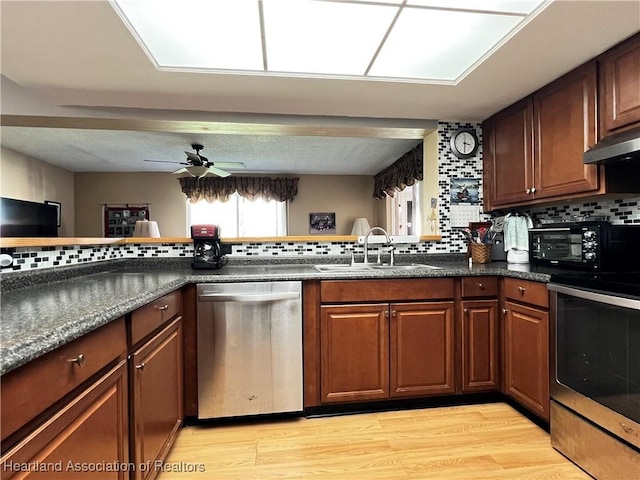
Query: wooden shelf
x=65, y=241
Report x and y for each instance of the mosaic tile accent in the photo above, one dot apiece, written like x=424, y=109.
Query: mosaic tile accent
x=31, y=258
x=450, y=166
x=620, y=212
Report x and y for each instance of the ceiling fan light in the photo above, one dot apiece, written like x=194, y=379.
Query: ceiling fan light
x=197, y=170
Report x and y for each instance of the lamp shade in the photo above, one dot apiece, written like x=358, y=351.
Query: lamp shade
x=360, y=227
x=146, y=228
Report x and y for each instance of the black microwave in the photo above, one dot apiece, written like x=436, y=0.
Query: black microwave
x=590, y=245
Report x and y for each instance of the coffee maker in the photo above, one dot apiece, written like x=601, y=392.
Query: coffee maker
x=207, y=250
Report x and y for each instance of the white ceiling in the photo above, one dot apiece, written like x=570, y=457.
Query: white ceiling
x=77, y=61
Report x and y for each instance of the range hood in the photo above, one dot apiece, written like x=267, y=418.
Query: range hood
x=623, y=147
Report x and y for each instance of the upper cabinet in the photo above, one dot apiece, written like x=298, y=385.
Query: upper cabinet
x=533, y=149
x=620, y=87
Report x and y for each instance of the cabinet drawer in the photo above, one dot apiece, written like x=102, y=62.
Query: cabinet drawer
x=525, y=291
x=386, y=290
x=37, y=385
x=154, y=315
x=479, y=287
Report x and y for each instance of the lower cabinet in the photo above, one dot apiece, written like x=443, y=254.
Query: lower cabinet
x=526, y=346
x=86, y=439
x=156, y=397
x=480, y=345
x=381, y=351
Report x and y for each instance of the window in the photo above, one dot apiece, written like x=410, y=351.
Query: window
x=403, y=211
x=240, y=217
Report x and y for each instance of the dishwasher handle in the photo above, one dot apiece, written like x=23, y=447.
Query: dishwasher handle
x=247, y=297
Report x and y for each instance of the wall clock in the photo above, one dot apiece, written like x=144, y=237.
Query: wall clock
x=464, y=143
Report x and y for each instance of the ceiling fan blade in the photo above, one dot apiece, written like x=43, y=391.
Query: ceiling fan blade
x=165, y=161
x=218, y=172
x=231, y=165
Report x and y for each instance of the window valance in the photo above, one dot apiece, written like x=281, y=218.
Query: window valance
x=219, y=188
x=402, y=173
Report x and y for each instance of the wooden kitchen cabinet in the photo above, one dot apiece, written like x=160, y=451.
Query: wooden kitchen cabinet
x=534, y=149
x=354, y=361
x=422, y=349
x=526, y=344
x=508, y=155
x=156, y=372
x=89, y=431
x=619, y=89
x=479, y=333
x=388, y=349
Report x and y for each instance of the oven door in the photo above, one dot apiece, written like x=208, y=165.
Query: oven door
x=596, y=358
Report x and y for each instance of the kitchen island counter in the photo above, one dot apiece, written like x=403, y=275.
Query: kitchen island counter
x=39, y=317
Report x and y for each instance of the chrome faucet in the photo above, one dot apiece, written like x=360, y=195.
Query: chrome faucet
x=366, y=241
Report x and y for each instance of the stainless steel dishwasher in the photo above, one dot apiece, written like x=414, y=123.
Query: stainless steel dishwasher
x=249, y=348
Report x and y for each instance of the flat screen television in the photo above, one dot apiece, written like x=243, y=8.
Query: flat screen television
x=20, y=218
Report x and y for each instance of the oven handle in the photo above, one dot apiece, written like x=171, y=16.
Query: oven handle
x=609, y=299
x=563, y=229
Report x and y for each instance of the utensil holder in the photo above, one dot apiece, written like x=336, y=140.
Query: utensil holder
x=480, y=252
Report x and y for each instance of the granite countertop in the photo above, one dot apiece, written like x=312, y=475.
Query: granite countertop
x=39, y=314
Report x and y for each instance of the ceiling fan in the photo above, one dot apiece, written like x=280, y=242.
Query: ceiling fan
x=198, y=165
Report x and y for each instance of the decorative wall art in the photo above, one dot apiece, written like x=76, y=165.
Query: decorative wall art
x=322, y=222
x=465, y=190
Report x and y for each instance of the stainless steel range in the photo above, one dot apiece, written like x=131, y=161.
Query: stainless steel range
x=595, y=372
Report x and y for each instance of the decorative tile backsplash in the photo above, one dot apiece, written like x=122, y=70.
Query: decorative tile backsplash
x=449, y=166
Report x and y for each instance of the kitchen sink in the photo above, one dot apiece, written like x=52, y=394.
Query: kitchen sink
x=346, y=267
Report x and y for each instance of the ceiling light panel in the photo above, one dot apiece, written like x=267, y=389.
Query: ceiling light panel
x=324, y=37
x=198, y=34
x=439, y=45
x=508, y=6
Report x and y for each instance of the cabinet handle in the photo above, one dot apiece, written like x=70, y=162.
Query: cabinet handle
x=163, y=307
x=80, y=360
x=533, y=189
x=528, y=190
x=504, y=311
x=480, y=286
x=393, y=313
x=140, y=367
x=386, y=313
x=521, y=290
x=465, y=310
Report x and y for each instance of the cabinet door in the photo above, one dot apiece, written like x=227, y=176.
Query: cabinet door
x=620, y=87
x=564, y=128
x=526, y=368
x=422, y=349
x=508, y=155
x=90, y=431
x=156, y=371
x=479, y=345
x=354, y=346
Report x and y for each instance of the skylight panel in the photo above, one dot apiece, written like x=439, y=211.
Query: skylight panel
x=199, y=34
x=324, y=37
x=508, y=6
x=417, y=40
x=439, y=45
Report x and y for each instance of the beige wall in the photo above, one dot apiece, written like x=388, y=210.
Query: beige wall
x=349, y=196
x=25, y=178
x=161, y=191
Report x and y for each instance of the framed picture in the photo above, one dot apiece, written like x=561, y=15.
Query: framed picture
x=322, y=222
x=58, y=206
x=465, y=190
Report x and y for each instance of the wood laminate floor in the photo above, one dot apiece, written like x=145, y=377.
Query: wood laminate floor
x=476, y=442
